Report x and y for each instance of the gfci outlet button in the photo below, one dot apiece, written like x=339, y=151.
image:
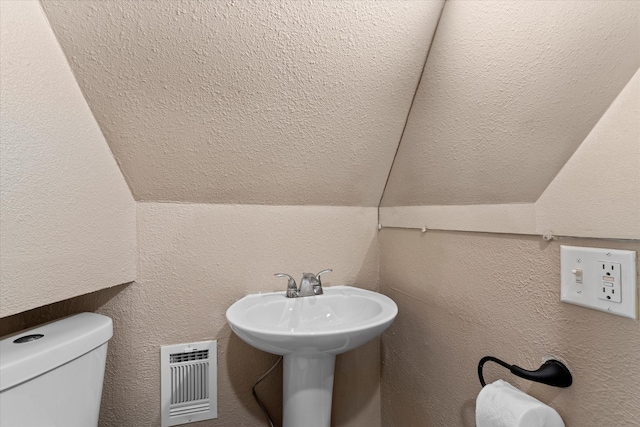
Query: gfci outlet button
x=601, y=279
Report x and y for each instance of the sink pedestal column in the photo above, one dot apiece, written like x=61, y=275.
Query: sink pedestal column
x=307, y=389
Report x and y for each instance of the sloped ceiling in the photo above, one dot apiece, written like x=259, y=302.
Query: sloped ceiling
x=252, y=102
x=67, y=218
x=510, y=90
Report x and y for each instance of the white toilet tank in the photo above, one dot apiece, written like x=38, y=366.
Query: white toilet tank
x=51, y=375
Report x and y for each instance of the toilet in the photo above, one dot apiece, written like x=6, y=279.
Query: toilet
x=51, y=375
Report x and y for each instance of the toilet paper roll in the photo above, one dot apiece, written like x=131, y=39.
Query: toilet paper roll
x=502, y=405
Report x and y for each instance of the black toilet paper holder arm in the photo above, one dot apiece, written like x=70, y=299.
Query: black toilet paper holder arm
x=552, y=372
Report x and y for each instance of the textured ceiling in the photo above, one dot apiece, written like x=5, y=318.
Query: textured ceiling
x=253, y=102
x=510, y=90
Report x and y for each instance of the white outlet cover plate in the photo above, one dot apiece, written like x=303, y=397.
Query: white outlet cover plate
x=586, y=294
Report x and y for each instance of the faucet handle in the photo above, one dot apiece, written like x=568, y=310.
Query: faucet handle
x=318, y=288
x=292, y=288
x=322, y=272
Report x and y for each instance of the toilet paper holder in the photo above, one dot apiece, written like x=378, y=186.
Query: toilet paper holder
x=552, y=372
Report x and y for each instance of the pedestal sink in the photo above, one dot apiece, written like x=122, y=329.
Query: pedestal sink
x=309, y=332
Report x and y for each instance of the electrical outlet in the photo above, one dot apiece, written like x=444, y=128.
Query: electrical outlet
x=610, y=293
x=609, y=274
x=602, y=279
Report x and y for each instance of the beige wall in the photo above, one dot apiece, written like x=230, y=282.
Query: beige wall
x=68, y=219
x=194, y=262
x=462, y=296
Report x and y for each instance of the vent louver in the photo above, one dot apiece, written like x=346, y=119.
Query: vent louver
x=187, y=357
x=189, y=383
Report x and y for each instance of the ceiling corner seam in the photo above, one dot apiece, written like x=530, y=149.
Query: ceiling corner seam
x=424, y=66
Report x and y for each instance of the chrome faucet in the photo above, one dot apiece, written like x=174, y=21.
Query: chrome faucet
x=310, y=285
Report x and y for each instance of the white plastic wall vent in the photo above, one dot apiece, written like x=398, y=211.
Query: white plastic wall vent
x=189, y=383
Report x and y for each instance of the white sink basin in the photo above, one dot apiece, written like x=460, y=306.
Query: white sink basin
x=309, y=332
x=338, y=321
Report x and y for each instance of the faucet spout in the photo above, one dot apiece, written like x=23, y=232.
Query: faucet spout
x=307, y=284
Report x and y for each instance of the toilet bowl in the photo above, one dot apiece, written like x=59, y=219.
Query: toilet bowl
x=52, y=375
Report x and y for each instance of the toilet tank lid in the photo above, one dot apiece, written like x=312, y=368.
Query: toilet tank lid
x=62, y=341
